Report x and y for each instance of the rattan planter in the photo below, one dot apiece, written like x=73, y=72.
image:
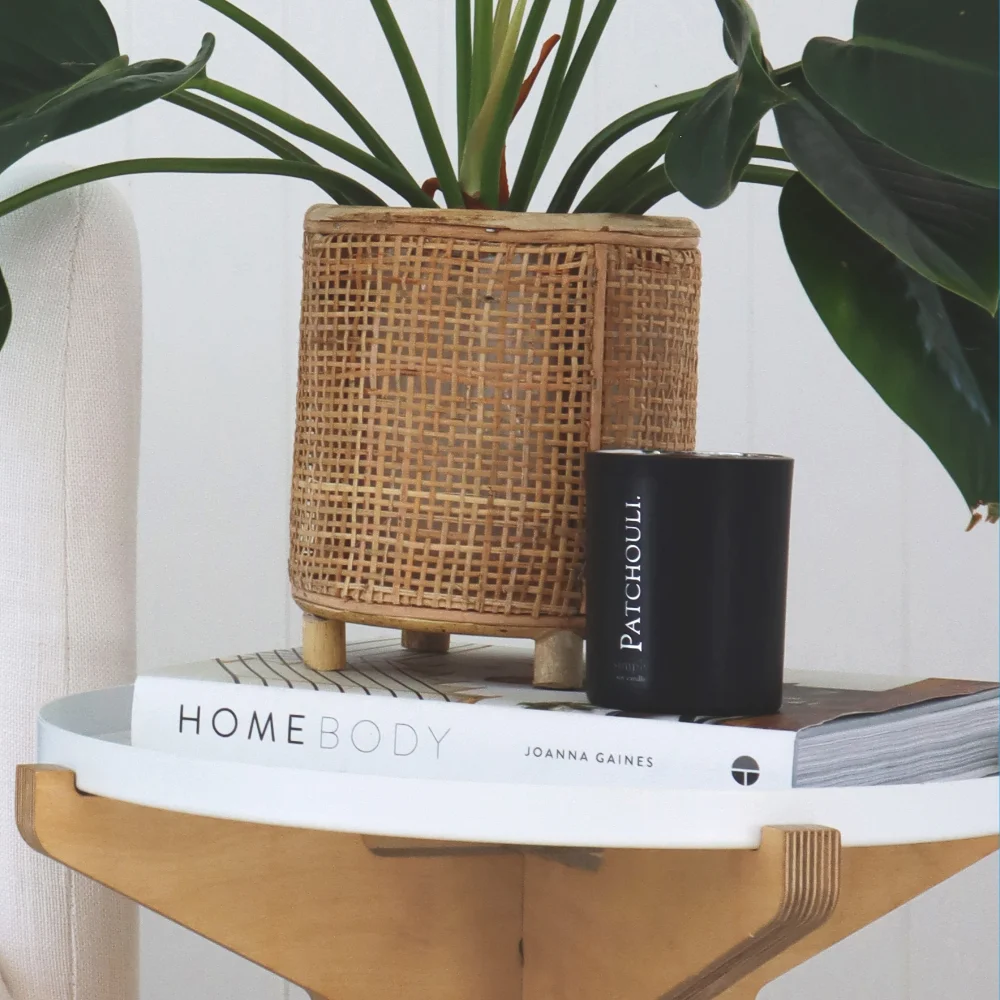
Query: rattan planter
x=454, y=368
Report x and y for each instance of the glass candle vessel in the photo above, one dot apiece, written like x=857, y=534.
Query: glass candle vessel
x=686, y=572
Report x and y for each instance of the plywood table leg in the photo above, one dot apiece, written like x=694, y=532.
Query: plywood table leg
x=361, y=918
x=318, y=908
x=324, y=642
x=810, y=859
x=874, y=881
x=700, y=924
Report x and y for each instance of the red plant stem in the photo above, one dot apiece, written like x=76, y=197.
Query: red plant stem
x=547, y=46
x=504, y=192
x=522, y=95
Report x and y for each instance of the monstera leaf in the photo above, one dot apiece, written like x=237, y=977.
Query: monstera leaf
x=107, y=92
x=943, y=227
x=710, y=142
x=46, y=45
x=921, y=77
x=61, y=72
x=930, y=354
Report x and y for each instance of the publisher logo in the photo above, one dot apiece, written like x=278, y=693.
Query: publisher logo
x=746, y=771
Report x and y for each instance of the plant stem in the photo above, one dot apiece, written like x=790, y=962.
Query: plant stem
x=400, y=183
x=339, y=186
x=164, y=165
x=501, y=24
x=776, y=176
x=645, y=192
x=497, y=136
x=770, y=153
x=529, y=169
x=610, y=134
x=312, y=73
x=574, y=77
x=463, y=69
x=641, y=194
x=271, y=141
x=421, y=104
x=607, y=191
x=482, y=56
x=471, y=173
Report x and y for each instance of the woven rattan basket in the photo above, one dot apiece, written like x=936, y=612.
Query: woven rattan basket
x=454, y=368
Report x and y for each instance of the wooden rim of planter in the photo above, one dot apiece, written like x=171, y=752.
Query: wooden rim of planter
x=507, y=227
x=435, y=620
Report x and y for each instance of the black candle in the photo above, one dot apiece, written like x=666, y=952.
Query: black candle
x=687, y=561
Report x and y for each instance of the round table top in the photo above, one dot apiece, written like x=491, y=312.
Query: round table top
x=89, y=733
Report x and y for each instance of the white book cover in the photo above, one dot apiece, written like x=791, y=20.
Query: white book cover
x=473, y=714
x=469, y=714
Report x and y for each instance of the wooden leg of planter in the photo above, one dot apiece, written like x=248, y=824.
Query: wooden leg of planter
x=324, y=643
x=558, y=660
x=426, y=642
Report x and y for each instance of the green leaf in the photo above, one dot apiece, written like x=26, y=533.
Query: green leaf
x=740, y=32
x=312, y=74
x=420, y=102
x=472, y=168
x=571, y=82
x=463, y=69
x=482, y=55
x=584, y=161
x=342, y=189
x=709, y=143
x=644, y=192
x=163, y=165
x=501, y=25
x=46, y=45
x=37, y=102
x=399, y=181
x=943, y=227
x=931, y=355
x=608, y=193
x=99, y=99
x=530, y=168
x=6, y=312
x=515, y=73
x=266, y=166
x=921, y=77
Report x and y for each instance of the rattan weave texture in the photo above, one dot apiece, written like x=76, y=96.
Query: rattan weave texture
x=453, y=370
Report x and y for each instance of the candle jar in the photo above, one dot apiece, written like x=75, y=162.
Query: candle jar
x=686, y=572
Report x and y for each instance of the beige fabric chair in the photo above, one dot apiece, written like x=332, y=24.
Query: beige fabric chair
x=69, y=413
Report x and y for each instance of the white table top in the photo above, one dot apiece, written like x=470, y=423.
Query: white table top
x=89, y=734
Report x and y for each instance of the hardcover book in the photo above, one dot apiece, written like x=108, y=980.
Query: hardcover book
x=472, y=714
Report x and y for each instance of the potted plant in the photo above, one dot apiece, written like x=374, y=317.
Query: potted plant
x=888, y=169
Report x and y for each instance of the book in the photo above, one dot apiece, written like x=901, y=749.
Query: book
x=472, y=714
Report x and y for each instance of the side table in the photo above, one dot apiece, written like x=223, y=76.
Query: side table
x=622, y=893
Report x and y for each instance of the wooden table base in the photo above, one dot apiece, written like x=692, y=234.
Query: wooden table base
x=356, y=918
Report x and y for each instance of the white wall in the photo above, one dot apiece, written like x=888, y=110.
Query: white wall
x=882, y=576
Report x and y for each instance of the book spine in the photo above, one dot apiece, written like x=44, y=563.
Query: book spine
x=405, y=737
